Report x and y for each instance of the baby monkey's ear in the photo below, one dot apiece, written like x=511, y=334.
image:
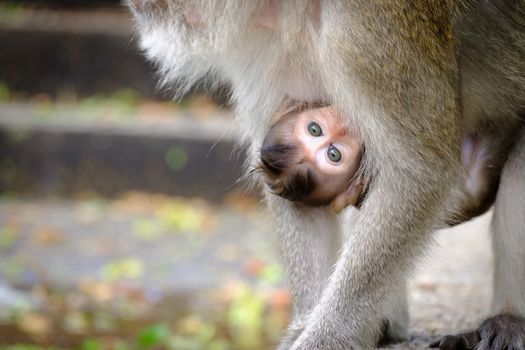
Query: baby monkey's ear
x=353, y=195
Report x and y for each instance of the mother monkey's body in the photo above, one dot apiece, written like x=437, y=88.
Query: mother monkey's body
x=393, y=68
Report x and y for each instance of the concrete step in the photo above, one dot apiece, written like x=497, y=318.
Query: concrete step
x=63, y=151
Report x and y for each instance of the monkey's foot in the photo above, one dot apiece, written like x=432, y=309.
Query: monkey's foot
x=496, y=333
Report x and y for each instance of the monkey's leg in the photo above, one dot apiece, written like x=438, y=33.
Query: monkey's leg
x=309, y=239
x=506, y=330
x=394, y=316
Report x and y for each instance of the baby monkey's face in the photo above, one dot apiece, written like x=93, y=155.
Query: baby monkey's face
x=326, y=143
x=310, y=156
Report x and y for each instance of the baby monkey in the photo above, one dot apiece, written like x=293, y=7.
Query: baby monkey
x=310, y=156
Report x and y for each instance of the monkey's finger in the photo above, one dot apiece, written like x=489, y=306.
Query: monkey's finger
x=338, y=205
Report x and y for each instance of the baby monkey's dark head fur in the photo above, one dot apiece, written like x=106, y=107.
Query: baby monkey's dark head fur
x=285, y=175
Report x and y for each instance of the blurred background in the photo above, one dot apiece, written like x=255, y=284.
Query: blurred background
x=121, y=223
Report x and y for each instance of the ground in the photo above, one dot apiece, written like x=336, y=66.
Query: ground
x=155, y=271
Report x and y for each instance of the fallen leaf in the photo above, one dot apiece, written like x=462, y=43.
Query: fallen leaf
x=35, y=323
x=8, y=236
x=75, y=322
x=131, y=268
x=280, y=299
x=48, y=236
x=255, y=267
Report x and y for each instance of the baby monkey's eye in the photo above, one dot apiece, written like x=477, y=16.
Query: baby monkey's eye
x=314, y=129
x=334, y=154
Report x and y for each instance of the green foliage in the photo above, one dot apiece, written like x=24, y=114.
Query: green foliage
x=153, y=336
x=128, y=97
x=271, y=274
x=18, y=136
x=176, y=158
x=91, y=344
x=195, y=334
x=195, y=341
x=121, y=345
x=26, y=347
x=4, y=92
x=179, y=216
x=8, y=237
x=146, y=229
x=245, y=319
x=130, y=268
x=13, y=267
x=45, y=109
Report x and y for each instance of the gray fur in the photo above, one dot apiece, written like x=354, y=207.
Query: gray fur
x=411, y=79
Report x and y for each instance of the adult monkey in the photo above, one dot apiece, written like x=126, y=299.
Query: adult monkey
x=413, y=76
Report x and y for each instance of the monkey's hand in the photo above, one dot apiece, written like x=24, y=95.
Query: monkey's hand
x=354, y=195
